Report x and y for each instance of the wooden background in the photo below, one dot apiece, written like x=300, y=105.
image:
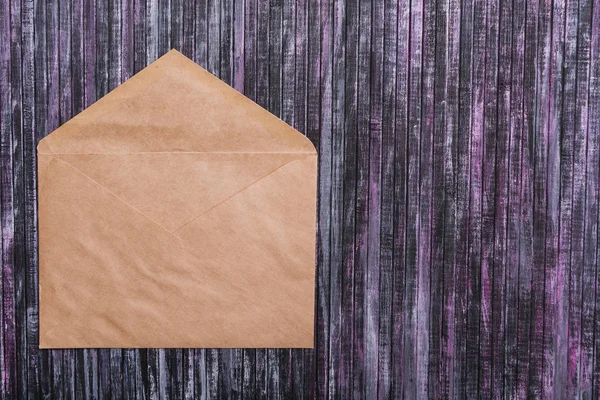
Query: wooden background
x=459, y=182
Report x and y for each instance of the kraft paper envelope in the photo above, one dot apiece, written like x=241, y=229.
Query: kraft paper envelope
x=175, y=212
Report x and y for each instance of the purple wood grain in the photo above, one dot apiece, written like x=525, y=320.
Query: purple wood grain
x=459, y=199
x=399, y=210
x=594, y=127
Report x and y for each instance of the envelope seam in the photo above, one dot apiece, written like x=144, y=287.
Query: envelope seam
x=235, y=194
x=110, y=191
x=177, y=238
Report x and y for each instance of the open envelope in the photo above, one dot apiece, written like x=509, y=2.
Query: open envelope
x=175, y=212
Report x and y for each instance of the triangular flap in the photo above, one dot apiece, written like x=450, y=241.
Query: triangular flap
x=174, y=105
x=281, y=207
x=173, y=189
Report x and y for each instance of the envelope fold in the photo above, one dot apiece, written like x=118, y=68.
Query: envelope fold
x=174, y=188
x=267, y=226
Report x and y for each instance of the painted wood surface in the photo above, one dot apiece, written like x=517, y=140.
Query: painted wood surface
x=458, y=190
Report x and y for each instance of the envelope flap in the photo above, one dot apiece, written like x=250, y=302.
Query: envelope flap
x=174, y=105
x=173, y=189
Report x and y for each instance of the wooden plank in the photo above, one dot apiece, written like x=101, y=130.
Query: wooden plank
x=449, y=352
x=424, y=219
x=90, y=372
x=175, y=22
x=129, y=374
x=361, y=368
x=499, y=296
x=513, y=228
x=576, y=294
x=555, y=275
x=584, y=202
x=31, y=366
x=152, y=30
x=344, y=375
x=374, y=98
x=101, y=53
x=213, y=41
x=593, y=128
x=462, y=200
x=174, y=373
x=200, y=375
x=127, y=40
x=488, y=205
x=388, y=59
x=437, y=212
x=201, y=33
x=329, y=191
x=188, y=373
x=57, y=382
x=526, y=324
x=8, y=318
x=411, y=354
x=474, y=292
x=403, y=56
x=77, y=52
x=18, y=191
x=115, y=24
x=139, y=35
x=562, y=375
x=188, y=38
x=238, y=45
x=540, y=174
x=90, y=43
x=250, y=48
x=226, y=41
x=231, y=370
x=163, y=20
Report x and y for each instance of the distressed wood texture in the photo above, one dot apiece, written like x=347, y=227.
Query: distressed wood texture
x=459, y=173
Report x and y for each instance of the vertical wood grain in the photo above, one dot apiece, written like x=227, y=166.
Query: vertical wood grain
x=387, y=57
x=7, y=316
x=555, y=273
x=411, y=355
x=594, y=126
x=458, y=210
x=31, y=367
x=463, y=183
x=402, y=66
x=514, y=204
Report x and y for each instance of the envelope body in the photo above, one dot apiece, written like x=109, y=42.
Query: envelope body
x=175, y=212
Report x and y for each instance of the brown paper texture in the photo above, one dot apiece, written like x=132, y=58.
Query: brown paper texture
x=175, y=212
